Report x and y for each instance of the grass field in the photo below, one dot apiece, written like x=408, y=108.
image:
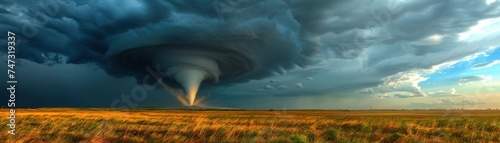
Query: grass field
x=102, y=125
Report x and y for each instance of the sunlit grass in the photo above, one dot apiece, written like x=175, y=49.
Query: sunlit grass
x=102, y=125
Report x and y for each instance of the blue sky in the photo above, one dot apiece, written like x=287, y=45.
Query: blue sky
x=475, y=77
x=453, y=73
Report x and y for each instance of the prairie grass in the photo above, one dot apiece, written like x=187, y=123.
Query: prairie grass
x=298, y=126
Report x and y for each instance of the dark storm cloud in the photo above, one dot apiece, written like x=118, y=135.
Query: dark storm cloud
x=395, y=49
x=96, y=30
x=388, y=37
x=77, y=32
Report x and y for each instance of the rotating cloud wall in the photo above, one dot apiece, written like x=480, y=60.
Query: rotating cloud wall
x=189, y=65
x=193, y=42
x=193, y=49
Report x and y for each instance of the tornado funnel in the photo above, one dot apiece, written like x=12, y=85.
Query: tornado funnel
x=190, y=81
x=187, y=67
x=189, y=70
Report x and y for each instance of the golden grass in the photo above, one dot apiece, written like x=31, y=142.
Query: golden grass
x=105, y=125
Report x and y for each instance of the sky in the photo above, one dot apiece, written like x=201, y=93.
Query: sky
x=252, y=54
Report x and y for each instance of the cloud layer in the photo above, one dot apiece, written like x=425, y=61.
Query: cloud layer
x=474, y=78
x=281, y=48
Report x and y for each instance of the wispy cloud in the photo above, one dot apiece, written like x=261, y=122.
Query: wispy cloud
x=474, y=78
x=451, y=93
x=448, y=101
x=485, y=65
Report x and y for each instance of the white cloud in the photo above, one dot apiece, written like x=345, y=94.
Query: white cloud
x=475, y=55
x=450, y=93
x=431, y=40
x=299, y=85
x=480, y=30
x=366, y=91
x=404, y=84
x=485, y=65
x=269, y=87
x=382, y=96
x=489, y=2
x=448, y=101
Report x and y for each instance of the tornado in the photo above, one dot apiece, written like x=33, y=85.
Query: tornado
x=189, y=70
x=190, y=81
x=194, y=51
x=188, y=66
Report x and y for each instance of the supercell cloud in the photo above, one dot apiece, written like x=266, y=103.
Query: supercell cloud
x=189, y=41
x=223, y=43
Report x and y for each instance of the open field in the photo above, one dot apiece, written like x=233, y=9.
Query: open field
x=103, y=125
